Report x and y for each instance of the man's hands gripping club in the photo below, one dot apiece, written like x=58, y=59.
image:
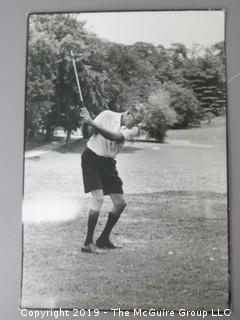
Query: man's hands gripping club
x=87, y=130
x=86, y=116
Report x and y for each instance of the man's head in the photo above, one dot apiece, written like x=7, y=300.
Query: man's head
x=131, y=117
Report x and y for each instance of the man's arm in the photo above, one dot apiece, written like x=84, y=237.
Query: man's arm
x=87, y=130
x=107, y=134
x=130, y=134
x=110, y=135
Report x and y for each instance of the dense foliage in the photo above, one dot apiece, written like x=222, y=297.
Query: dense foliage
x=177, y=87
x=158, y=114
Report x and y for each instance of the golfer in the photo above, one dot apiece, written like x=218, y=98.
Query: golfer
x=100, y=177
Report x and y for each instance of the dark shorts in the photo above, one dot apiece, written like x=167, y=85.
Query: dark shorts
x=100, y=173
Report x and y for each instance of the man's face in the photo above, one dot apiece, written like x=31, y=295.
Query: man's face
x=130, y=120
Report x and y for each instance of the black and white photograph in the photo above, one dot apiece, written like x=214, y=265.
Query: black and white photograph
x=125, y=200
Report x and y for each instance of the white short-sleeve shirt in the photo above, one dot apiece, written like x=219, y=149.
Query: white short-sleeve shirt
x=111, y=121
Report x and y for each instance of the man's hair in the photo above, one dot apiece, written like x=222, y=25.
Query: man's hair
x=137, y=111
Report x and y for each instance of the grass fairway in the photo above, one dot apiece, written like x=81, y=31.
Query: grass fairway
x=173, y=232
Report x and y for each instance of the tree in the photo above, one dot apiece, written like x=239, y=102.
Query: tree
x=206, y=75
x=52, y=94
x=40, y=80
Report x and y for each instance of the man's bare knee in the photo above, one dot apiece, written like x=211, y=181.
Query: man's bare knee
x=119, y=203
x=97, y=201
x=120, y=206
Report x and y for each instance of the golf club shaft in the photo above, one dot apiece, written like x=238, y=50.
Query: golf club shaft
x=77, y=79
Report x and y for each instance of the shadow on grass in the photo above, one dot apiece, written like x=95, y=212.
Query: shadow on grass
x=78, y=146
x=130, y=149
x=36, y=158
x=40, y=141
x=180, y=194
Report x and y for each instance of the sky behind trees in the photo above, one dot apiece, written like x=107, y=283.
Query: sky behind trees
x=163, y=27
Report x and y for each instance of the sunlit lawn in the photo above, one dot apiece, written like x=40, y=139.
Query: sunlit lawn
x=174, y=230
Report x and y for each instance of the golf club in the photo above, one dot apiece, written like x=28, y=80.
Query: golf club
x=77, y=79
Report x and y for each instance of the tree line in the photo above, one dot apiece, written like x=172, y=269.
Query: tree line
x=176, y=87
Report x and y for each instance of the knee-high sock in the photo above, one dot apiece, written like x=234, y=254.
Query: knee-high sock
x=92, y=221
x=112, y=220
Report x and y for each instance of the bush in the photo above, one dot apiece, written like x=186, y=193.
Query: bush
x=185, y=104
x=158, y=116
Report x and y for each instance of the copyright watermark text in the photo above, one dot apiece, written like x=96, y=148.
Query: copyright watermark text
x=118, y=313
